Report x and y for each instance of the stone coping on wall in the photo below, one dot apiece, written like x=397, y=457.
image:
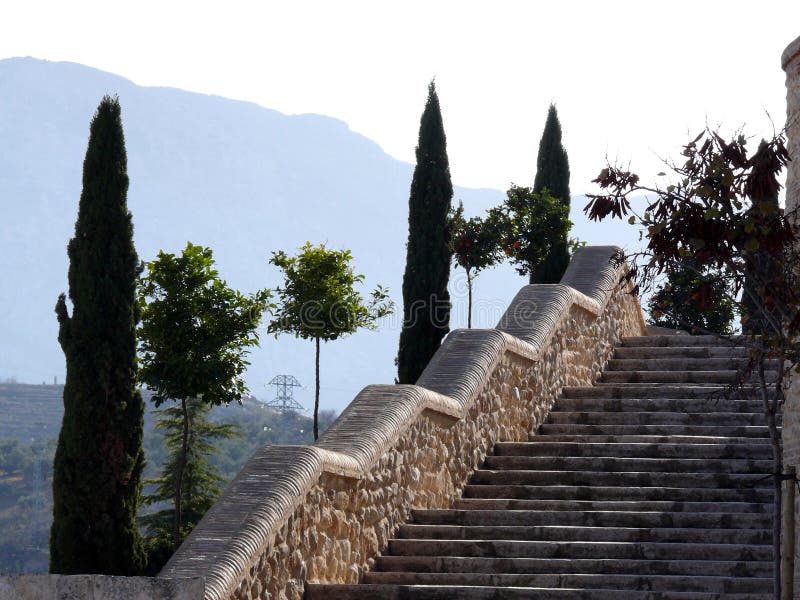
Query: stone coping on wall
x=265, y=494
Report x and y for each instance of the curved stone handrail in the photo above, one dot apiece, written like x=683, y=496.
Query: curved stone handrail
x=247, y=531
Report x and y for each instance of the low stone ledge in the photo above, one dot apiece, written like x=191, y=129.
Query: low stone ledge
x=461, y=367
x=536, y=310
x=98, y=587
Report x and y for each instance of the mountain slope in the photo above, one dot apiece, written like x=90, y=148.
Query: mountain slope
x=232, y=175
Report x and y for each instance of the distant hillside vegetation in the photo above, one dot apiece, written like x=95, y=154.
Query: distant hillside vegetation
x=30, y=419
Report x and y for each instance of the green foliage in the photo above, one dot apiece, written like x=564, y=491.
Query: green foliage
x=318, y=301
x=475, y=243
x=25, y=522
x=552, y=175
x=195, y=334
x=201, y=482
x=696, y=300
x=12, y=456
x=426, y=301
x=530, y=223
x=195, y=329
x=26, y=505
x=99, y=459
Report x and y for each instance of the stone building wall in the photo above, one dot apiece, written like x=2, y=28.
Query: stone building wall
x=790, y=61
x=322, y=513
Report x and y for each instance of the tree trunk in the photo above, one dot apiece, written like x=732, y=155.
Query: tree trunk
x=788, y=532
x=176, y=525
x=776, y=534
x=316, y=395
x=770, y=408
x=469, y=301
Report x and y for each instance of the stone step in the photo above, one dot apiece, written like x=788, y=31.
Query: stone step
x=493, y=503
x=658, y=583
x=652, y=484
x=610, y=431
x=672, y=362
x=612, y=464
x=651, y=439
x=666, y=377
x=656, y=418
x=462, y=564
x=599, y=493
x=652, y=390
x=683, y=341
x=624, y=479
x=688, y=405
x=317, y=591
x=677, y=352
x=578, y=550
x=704, y=520
x=561, y=533
x=630, y=449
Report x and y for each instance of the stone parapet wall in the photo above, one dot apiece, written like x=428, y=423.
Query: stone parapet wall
x=322, y=513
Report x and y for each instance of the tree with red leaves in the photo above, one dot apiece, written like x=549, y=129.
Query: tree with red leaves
x=715, y=216
x=475, y=243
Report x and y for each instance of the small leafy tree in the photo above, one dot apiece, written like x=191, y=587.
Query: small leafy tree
x=676, y=304
x=201, y=483
x=530, y=223
x=194, y=337
x=476, y=246
x=318, y=301
x=718, y=215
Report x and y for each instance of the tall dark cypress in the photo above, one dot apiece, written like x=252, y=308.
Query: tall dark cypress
x=426, y=302
x=99, y=457
x=552, y=172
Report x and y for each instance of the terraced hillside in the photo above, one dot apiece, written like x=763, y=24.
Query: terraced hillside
x=30, y=411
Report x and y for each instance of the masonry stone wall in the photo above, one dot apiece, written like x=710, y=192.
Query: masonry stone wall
x=322, y=513
x=791, y=64
x=791, y=421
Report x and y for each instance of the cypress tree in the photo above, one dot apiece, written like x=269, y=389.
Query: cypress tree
x=426, y=302
x=552, y=173
x=99, y=457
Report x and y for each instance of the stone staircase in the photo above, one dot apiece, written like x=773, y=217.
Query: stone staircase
x=646, y=486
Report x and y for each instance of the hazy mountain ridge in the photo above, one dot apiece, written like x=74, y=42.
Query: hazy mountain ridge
x=243, y=179
x=232, y=175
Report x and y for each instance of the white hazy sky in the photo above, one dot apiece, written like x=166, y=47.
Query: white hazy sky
x=632, y=80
